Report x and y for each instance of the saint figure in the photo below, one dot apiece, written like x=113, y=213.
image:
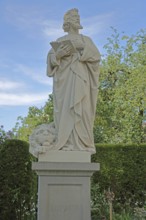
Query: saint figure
x=73, y=62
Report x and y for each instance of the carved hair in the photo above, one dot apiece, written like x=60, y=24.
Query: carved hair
x=71, y=16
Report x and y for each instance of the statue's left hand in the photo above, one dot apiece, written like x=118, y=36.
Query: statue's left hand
x=63, y=50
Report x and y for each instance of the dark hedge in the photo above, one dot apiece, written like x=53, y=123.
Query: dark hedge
x=123, y=170
x=16, y=181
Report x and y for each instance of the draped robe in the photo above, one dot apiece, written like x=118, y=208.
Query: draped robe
x=75, y=88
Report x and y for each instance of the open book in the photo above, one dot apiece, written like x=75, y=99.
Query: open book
x=55, y=45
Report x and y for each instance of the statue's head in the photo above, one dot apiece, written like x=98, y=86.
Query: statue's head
x=72, y=18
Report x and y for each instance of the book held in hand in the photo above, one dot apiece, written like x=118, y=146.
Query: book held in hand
x=55, y=45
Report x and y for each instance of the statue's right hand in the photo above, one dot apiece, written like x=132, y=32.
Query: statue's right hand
x=63, y=50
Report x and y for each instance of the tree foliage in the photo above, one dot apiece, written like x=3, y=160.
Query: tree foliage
x=36, y=116
x=5, y=135
x=122, y=93
x=17, y=182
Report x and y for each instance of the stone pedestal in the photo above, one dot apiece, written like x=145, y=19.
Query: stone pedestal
x=64, y=189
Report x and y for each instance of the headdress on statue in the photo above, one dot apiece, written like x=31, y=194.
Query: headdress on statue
x=72, y=16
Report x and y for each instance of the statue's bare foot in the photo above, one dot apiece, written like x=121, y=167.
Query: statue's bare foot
x=67, y=148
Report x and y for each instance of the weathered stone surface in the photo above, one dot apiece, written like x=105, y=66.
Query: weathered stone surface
x=64, y=190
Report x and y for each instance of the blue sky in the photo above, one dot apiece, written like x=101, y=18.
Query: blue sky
x=27, y=27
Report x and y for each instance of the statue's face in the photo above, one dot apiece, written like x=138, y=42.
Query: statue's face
x=76, y=21
x=66, y=26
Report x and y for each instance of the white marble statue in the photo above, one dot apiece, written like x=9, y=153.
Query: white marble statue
x=73, y=62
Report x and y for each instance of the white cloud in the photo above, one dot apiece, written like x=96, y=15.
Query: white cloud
x=22, y=99
x=92, y=26
x=6, y=85
x=52, y=32
x=33, y=19
x=52, y=29
x=37, y=75
x=97, y=24
x=13, y=93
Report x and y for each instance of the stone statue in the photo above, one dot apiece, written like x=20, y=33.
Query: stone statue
x=74, y=66
x=73, y=62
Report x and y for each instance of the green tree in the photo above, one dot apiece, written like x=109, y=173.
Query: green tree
x=5, y=135
x=36, y=116
x=17, y=182
x=122, y=92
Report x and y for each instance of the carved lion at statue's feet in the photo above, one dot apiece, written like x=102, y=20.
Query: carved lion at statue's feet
x=42, y=139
